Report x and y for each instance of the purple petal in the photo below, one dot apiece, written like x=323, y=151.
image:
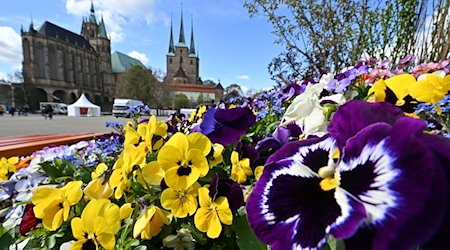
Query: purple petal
x=287, y=209
x=353, y=116
x=397, y=180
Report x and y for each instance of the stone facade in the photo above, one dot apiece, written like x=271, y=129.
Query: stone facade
x=59, y=65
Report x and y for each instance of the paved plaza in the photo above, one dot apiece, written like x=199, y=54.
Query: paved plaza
x=34, y=124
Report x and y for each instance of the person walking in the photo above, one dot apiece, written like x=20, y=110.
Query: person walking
x=48, y=111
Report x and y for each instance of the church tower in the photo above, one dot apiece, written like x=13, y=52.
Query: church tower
x=182, y=61
x=97, y=36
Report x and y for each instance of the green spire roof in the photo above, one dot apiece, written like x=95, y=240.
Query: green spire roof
x=181, y=40
x=92, y=17
x=192, y=49
x=171, y=48
x=121, y=63
x=102, y=29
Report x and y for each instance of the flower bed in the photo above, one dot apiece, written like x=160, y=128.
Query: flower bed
x=358, y=160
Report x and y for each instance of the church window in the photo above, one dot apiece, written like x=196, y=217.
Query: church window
x=181, y=59
x=39, y=58
x=191, y=61
x=170, y=60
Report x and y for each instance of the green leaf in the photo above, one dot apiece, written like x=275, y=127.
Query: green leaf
x=140, y=248
x=335, y=244
x=245, y=238
x=5, y=239
x=51, y=170
x=199, y=237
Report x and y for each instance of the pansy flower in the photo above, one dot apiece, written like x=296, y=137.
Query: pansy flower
x=387, y=178
x=184, y=159
x=395, y=90
x=150, y=222
x=430, y=88
x=212, y=213
x=7, y=167
x=99, y=186
x=226, y=126
x=180, y=202
x=240, y=168
x=97, y=226
x=53, y=205
x=132, y=157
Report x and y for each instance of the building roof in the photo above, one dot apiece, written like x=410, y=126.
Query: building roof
x=180, y=73
x=121, y=63
x=52, y=30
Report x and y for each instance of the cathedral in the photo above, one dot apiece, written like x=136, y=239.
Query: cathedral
x=182, y=75
x=60, y=65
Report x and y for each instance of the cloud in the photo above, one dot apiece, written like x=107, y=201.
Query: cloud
x=140, y=56
x=10, y=47
x=244, y=77
x=117, y=13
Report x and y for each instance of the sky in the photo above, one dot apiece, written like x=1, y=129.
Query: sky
x=232, y=47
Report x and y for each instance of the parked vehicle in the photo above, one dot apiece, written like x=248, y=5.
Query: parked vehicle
x=58, y=108
x=121, y=106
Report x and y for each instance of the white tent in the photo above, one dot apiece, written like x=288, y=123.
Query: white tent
x=83, y=107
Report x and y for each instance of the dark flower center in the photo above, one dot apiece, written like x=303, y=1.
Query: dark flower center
x=183, y=171
x=88, y=245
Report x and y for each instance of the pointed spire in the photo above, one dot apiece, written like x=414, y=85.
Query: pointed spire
x=181, y=40
x=92, y=17
x=102, y=29
x=192, y=49
x=31, y=24
x=171, y=48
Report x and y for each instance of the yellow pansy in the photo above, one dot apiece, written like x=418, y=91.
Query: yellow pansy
x=7, y=166
x=98, y=225
x=180, y=202
x=52, y=205
x=240, y=169
x=131, y=158
x=215, y=157
x=149, y=135
x=184, y=159
x=430, y=88
x=99, y=186
x=212, y=214
x=150, y=222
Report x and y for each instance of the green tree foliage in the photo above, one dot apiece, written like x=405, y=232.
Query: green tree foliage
x=182, y=101
x=327, y=35
x=140, y=84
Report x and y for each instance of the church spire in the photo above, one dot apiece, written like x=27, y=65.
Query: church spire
x=181, y=40
x=92, y=17
x=171, y=47
x=192, y=48
x=102, y=29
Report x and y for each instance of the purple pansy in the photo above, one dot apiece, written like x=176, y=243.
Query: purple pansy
x=227, y=188
x=281, y=136
x=388, y=185
x=226, y=126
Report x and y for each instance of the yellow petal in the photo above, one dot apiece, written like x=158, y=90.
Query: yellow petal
x=97, y=189
x=198, y=161
x=143, y=220
x=223, y=210
x=199, y=141
x=153, y=173
x=78, y=230
x=399, y=84
x=203, y=197
x=107, y=240
x=125, y=211
x=169, y=156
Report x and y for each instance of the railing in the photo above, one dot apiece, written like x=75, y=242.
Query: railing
x=25, y=145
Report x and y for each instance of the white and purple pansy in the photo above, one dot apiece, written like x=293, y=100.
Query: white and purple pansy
x=386, y=178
